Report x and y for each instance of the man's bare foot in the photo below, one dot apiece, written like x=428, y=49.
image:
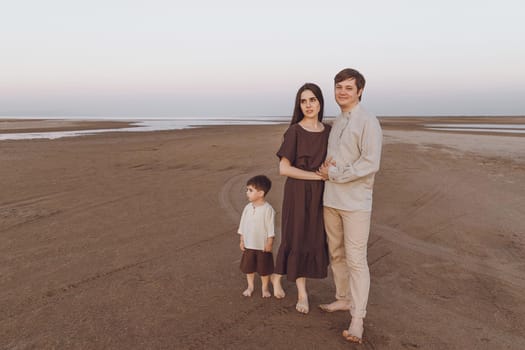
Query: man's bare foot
x=266, y=293
x=248, y=292
x=338, y=305
x=354, y=334
x=302, y=305
x=278, y=291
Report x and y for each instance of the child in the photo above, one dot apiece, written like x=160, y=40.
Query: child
x=256, y=232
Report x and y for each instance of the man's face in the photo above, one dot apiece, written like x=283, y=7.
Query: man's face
x=346, y=94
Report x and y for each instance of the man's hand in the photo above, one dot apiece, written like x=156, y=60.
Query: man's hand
x=241, y=244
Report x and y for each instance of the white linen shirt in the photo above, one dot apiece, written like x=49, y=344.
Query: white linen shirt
x=257, y=224
x=355, y=145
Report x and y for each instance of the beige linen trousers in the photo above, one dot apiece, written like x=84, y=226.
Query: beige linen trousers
x=347, y=235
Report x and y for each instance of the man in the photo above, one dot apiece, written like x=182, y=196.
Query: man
x=354, y=152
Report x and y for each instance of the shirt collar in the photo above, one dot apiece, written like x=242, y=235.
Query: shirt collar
x=355, y=109
x=259, y=206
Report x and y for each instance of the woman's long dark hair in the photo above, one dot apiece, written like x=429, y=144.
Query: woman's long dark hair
x=297, y=112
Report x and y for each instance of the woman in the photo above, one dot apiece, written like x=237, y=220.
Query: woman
x=303, y=250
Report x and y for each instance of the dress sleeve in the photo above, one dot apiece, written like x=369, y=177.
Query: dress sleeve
x=288, y=148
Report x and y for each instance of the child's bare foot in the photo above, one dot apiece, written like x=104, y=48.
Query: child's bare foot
x=338, y=305
x=278, y=291
x=266, y=293
x=249, y=278
x=302, y=305
x=265, y=286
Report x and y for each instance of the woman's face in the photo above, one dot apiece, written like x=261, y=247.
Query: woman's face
x=310, y=105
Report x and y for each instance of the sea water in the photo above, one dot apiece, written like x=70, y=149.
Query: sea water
x=144, y=125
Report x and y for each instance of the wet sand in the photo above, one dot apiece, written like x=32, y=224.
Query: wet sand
x=127, y=241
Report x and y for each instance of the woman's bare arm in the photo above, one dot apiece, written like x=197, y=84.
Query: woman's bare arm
x=286, y=169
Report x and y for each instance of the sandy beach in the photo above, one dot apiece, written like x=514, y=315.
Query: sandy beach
x=128, y=241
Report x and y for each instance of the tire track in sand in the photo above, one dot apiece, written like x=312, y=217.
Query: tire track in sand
x=225, y=199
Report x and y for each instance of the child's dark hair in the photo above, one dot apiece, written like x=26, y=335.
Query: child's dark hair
x=260, y=183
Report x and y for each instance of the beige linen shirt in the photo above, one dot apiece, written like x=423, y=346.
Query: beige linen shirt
x=257, y=224
x=355, y=144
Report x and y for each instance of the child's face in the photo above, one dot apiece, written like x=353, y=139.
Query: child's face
x=253, y=194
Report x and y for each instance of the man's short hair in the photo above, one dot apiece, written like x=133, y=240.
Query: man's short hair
x=349, y=73
x=260, y=183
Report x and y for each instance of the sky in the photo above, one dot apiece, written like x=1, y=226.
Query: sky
x=229, y=58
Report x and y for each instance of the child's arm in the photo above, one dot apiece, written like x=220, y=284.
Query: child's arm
x=269, y=244
x=242, y=228
x=241, y=243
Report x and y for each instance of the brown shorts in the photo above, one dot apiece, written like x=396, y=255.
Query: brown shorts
x=257, y=261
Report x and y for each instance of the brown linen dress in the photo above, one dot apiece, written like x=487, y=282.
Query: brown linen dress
x=303, y=251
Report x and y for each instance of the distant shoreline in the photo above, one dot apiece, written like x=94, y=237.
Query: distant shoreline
x=54, y=128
